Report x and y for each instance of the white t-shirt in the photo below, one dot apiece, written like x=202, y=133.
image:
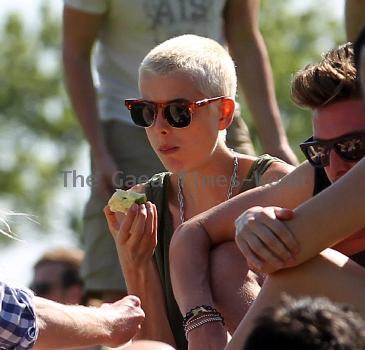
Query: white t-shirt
x=132, y=28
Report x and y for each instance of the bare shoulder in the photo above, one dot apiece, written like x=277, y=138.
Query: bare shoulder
x=275, y=172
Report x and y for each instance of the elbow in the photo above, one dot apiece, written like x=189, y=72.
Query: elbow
x=189, y=238
x=178, y=239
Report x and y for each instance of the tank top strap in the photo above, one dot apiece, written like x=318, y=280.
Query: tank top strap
x=258, y=168
x=154, y=189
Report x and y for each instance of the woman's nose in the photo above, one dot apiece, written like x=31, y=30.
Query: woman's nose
x=161, y=122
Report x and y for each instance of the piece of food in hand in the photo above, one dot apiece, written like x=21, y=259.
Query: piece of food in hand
x=122, y=200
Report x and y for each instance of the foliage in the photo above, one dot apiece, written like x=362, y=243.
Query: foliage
x=38, y=133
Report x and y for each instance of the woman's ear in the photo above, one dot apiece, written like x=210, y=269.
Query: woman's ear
x=227, y=113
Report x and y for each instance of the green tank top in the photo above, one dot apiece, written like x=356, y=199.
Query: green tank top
x=156, y=190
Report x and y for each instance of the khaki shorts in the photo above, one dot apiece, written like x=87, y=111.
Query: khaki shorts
x=132, y=153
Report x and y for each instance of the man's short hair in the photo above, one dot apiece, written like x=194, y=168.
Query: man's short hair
x=308, y=324
x=69, y=258
x=331, y=80
x=207, y=62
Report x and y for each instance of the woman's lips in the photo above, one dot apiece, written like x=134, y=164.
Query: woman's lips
x=168, y=149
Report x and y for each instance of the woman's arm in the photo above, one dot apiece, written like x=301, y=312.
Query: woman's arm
x=193, y=240
x=135, y=236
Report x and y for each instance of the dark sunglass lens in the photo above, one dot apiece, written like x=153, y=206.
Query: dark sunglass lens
x=353, y=148
x=40, y=289
x=317, y=155
x=178, y=114
x=143, y=114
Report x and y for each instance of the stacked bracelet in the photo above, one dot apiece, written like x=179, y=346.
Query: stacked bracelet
x=199, y=316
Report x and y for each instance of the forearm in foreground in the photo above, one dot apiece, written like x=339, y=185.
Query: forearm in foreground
x=147, y=286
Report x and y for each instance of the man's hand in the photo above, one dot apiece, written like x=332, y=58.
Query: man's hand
x=135, y=234
x=124, y=318
x=70, y=326
x=265, y=240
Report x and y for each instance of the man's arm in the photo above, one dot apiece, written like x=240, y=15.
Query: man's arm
x=80, y=30
x=248, y=49
x=321, y=222
x=193, y=240
x=335, y=213
x=64, y=326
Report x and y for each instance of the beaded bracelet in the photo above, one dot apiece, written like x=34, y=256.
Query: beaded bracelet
x=189, y=328
x=200, y=317
x=202, y=309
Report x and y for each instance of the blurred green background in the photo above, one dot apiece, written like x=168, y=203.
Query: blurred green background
x=40, y=138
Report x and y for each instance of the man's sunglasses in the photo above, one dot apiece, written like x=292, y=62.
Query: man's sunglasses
x=41, y=288
x=178, y=113
x=350, y=147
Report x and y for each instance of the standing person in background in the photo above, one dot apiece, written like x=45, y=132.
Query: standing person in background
x=57, y=276
x=125, y=31
x=354, y=18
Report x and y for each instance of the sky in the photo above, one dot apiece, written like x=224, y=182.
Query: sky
x=27, y=8
x=16, y=261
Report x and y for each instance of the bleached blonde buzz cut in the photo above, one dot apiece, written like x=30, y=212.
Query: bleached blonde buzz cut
x=206, y=61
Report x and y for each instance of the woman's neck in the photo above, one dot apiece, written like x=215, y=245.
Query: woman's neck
x=209, y=184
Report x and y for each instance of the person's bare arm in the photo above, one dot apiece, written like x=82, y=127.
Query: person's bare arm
x=135, y=236
x=193, y=240
x=80, y=30
x=335, y=213
x=248, y=49
x=64, y=326
x=321, y=222
x=354, y=18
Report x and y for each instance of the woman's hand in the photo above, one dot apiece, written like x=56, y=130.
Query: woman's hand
x=265, y=240
x=135, y=234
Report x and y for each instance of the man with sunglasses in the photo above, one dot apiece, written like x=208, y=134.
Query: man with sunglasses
x=330, y=90
x=56, y=276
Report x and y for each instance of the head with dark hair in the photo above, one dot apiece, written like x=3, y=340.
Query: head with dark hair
x=57, y=275
x=331, y=80
x=331, y=90
x=308, y=324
